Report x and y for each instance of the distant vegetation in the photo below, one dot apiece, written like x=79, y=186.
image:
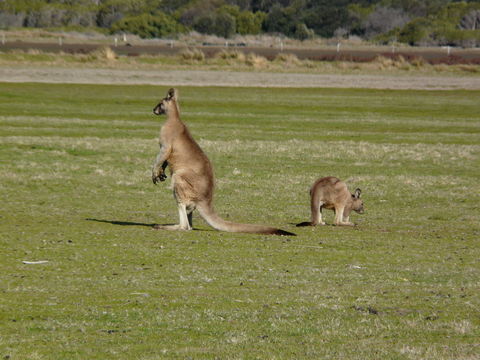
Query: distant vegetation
x=423, y=22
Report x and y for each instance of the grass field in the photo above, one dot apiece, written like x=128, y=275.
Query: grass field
x=76, y=192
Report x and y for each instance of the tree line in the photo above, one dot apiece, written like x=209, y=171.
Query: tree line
x=416, y=22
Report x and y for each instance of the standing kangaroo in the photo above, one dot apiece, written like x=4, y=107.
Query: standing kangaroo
x=332, y=193
x=192, y=174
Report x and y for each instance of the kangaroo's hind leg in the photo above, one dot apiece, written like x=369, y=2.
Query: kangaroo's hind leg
x=316, y=209
x=184, y=220
x=319, y=214
x=190, y=215
x=339, y=216
x=180, y=193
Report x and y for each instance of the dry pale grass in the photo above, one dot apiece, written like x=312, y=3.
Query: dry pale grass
x=288, y=59
x=231, y=56
x=256, y=61
x=385, y=155
x=435, y=352
x=234, y=60
x=356, y=151
x=103, y=54
x=469, y=68
x=294, y=150
x=26, y=120
x=192, y=55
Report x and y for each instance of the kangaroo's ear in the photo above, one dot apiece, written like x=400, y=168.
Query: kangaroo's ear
x=172, y=94
x=357, y=193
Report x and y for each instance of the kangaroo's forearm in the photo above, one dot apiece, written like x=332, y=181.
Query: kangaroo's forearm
x=161, y=159
x=158, y=169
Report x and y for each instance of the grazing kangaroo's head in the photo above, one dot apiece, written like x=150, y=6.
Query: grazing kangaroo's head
x=168, y=103
x=357, y=202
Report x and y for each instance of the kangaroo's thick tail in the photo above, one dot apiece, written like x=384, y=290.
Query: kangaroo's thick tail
x=210, y=216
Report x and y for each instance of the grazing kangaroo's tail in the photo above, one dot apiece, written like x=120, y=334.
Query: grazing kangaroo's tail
x=210, y=216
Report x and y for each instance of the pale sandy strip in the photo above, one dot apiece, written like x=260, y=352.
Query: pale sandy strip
x=240, y=79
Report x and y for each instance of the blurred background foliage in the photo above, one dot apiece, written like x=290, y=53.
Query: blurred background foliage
x=416, y=22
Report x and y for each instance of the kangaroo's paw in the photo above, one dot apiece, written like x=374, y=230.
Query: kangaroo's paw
x=344, y=224
x=169, y=227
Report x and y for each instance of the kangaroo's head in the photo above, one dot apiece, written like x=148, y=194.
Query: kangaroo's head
x=357, y=202
x=168, y=103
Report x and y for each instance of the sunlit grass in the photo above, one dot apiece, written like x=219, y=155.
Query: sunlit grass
x=76, y=191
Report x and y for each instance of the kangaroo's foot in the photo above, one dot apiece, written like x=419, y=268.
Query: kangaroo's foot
x=342, y=223
x=170, y=227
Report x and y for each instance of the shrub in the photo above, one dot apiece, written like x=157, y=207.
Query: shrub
x=224, y=25
x=250, y=23
x=147, y=26
x=415, y=32
x=302, y=32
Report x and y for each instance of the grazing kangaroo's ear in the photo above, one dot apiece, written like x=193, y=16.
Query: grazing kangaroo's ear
x=357, y=193
x=172, y=94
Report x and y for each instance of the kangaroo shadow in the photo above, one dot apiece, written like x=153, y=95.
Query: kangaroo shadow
x=132, y=223
x=122, y=223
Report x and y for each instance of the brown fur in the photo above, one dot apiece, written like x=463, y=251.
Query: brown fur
x=192, y=174
x=332, y=193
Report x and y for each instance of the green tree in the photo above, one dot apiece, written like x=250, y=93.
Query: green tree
x=112, y=11
x=302, y=32
x=415, y=32
x=147, y=25
x=250, y=23
x=324, y=16
x=224, y=25
x=280, y=20
x=205, y=24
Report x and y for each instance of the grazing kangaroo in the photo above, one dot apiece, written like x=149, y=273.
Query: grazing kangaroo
x=192, y=174
x=332, y=193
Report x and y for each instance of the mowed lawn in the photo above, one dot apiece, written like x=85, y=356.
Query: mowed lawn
x=76, y=191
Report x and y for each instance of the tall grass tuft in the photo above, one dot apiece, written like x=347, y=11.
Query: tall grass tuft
x=256, y=61
x=192, y=55
x=231, y=55
x=288, y=59
x=103, y=54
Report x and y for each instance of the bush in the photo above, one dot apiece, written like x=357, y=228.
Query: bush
x=205, y=24
x=224, y=25
x=279, y=20
x=220, y=24
x=250, y=23
x=415, y=32
x=302, y=32
x=147, y=26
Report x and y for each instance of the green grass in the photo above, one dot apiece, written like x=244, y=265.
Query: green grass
x=76, y=191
